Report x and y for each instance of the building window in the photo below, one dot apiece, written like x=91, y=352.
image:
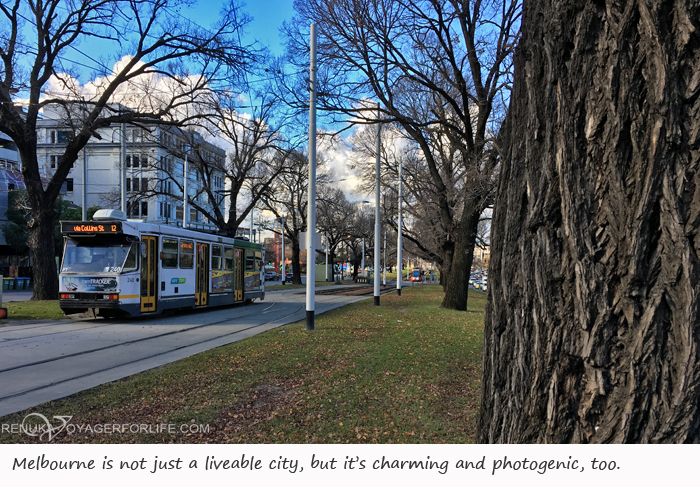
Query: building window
x=53, y=161
x=144, y=184
x=144, y=208
x=128, y=184
x=69, y=185
x=59, y=136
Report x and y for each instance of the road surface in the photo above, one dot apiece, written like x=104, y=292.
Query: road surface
x=46, y=361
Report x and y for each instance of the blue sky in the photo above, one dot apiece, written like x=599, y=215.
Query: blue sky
x=268, y=16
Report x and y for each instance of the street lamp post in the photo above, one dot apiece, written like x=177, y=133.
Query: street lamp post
x=311, y=207
x=327, y=277
x=363, y=257
x=399, y=266
x=377, y=216
x=184, y=192
x=284, y=258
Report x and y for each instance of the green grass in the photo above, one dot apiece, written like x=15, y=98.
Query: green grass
x=33, y=310
x=269, y=287
x=405, y=372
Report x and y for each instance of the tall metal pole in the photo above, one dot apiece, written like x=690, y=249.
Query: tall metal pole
x=363, y=257
x=384, y=263
x=284, y=259
x=250, y=239
x=311, y=207
x=327, y=276
x=184, y=194
x=84, y=216
x=123, y=167
x=377, y=216
x=399, y=266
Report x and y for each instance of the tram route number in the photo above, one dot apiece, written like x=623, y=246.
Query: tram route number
x=84, y=227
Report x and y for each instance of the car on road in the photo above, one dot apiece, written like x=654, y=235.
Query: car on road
x=288, y=276
x=272, y=276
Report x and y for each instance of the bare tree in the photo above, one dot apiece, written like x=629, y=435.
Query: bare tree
x=334, y=214
x=438, y=69
x=158, y=45
x=592, y=328
x=287, y=198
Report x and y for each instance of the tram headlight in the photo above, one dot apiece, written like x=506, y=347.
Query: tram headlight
x=110, y=296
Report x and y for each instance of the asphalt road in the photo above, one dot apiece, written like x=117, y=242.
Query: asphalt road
x=46, y=361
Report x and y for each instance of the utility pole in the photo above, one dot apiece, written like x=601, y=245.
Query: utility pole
x=84, y=215
x=311, y=207
x=184, y=193
x=377, y=216
x=384, y=262
x=399, y=266
x=327, y=277
x=363, y=256
x=123, y=166
x=284, y=258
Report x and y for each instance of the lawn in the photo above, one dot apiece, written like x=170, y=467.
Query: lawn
x=405, y=372
x=33, y=310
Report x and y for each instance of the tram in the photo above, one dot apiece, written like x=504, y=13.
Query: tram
x=132, y=268
x=416, y=274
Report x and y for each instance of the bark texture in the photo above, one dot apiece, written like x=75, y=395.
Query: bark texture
x=592, y=326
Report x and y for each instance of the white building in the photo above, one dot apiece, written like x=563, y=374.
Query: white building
x=154, y=169
x=10, y=175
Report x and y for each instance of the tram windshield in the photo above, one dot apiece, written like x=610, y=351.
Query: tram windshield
x=110, y=256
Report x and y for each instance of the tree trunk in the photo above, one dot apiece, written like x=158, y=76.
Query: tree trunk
x=448, y=252
x=296, y=260
x=457, y=288
x=592, y=328
x=42, y=249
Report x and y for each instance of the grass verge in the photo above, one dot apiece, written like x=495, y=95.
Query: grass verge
x=406, y=372
x=33, y=310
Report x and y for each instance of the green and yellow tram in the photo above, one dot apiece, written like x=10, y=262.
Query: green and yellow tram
x=133, y=268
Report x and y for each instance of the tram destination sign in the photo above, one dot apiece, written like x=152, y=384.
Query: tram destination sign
x=91, y=227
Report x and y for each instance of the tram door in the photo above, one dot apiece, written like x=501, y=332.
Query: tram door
x=238, y=274
x=202, y=283
x=149, y=264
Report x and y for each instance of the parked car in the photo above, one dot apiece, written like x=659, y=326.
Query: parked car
x=272, y=276
x=288, y=276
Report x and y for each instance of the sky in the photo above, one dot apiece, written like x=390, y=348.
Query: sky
x=268, y=16
x=267, y=19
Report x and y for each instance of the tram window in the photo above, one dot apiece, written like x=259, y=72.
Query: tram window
x=186, y=254
x=258, y=260
x=215, y=257
x=169, y=252
x=131, y=263
x=228, y=258
x=249, y=262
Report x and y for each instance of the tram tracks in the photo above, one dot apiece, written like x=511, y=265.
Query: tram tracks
x=295, y=308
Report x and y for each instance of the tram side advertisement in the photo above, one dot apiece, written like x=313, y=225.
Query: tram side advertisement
x=89, y=284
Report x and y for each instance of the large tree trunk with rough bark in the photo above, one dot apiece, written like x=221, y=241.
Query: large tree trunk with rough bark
x=42, y=248
x=457, y=287
x=592, y=329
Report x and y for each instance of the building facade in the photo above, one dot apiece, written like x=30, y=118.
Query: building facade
x=154, y=166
